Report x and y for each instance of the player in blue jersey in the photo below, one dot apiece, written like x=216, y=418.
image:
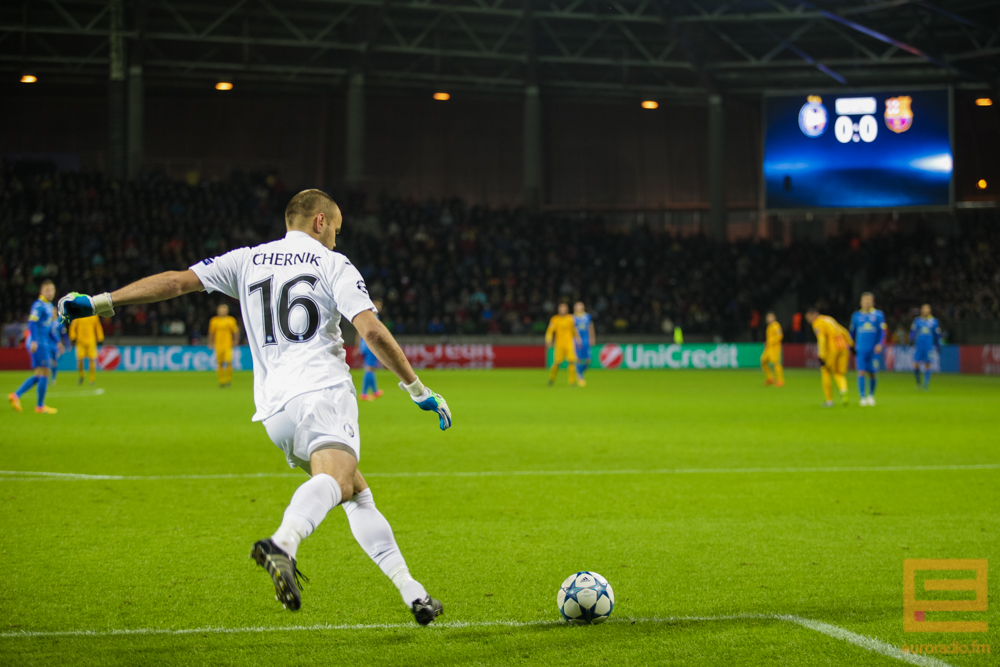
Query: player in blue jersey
x=369, y=384
x=584, y=324
x=868, y=329
x=58, y=341
x=926, y=335
x=40, y=325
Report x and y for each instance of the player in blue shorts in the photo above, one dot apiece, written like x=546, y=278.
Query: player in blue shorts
x=868, y=329
x=584, y=324
x=40, y=326
x=926, y=335
x=369, y=384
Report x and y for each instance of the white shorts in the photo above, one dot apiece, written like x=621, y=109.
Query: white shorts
x=321, y=419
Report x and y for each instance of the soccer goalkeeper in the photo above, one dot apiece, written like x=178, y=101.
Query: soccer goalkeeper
x=293, y=293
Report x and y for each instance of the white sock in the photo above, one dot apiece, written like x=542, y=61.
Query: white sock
x=310, y=504
x=374, y=534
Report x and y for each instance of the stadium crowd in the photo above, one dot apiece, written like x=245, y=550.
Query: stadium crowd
x=444, y=267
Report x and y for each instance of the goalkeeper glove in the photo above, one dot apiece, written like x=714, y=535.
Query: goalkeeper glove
x=429, y=401
x=74, y=305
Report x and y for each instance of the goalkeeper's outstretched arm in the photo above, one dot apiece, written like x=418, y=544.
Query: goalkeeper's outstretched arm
x=162, y=286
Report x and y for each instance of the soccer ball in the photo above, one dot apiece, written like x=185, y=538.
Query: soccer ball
x=585, y=598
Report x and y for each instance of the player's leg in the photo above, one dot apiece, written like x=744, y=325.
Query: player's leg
x=927, y=375
x=582, y=366
x=15, y=398
x=79, y=366
x=779, y=372
x=571, y=365
x=41, y=388
x=557, y=359
x=765, y=365
x=375, y=536
x=916, y=373
x=840, y=374
x=862, y=383
x=872, y=383
x=332, y=478
x=826, y=380
x=92, y=360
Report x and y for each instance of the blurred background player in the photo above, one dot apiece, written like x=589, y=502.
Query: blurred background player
x=59, y=344
x=86, y=334
x=832, y=344
x=369, y=383
x=585, y=329
x=40, y=323
x=869, y=331
x=563, y=337
x=223, y=335
x=926, y=334
x=772, y=352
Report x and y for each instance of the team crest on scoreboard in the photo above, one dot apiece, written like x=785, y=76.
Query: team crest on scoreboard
x=899, y=114
x=813, y=117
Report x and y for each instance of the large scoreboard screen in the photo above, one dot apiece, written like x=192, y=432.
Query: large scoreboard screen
x=858, y=150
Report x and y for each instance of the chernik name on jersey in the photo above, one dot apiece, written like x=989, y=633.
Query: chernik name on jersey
x=292, y=294
x=286, y=259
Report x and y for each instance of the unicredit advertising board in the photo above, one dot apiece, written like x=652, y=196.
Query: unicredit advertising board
x=195, y=358
x=697, y=356
x=158, y=358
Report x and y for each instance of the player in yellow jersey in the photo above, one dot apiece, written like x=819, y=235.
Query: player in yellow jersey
x=223, y=335
x=772, y=353
x=563, y=337
x=86, y=334
x=833, y=344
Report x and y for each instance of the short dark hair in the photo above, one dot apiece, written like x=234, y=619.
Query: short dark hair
x=306, y=204
x=45, y=282
x=812, y=309
x=770, y=312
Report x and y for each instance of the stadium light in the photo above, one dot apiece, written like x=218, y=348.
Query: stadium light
x=29, y=78
x=224, y=85
x=981, y=184
x=650, y=104
x=442, y=97
x=984, y=102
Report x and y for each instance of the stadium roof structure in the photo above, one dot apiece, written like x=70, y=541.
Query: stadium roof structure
x=625, y=48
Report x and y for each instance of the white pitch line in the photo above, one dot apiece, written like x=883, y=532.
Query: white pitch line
x=34, y=476
x=70, y=394
x=868, y=643
x=836, y=632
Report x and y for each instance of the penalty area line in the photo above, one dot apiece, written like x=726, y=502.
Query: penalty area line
x=36, y=476
x=833, y=631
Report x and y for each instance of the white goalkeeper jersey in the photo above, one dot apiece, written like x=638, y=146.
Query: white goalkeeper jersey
x=293, y=293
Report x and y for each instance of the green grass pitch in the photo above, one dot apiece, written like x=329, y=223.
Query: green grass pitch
x=720, y=505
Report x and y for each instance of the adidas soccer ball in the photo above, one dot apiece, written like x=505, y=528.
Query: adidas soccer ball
x=585, y=598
